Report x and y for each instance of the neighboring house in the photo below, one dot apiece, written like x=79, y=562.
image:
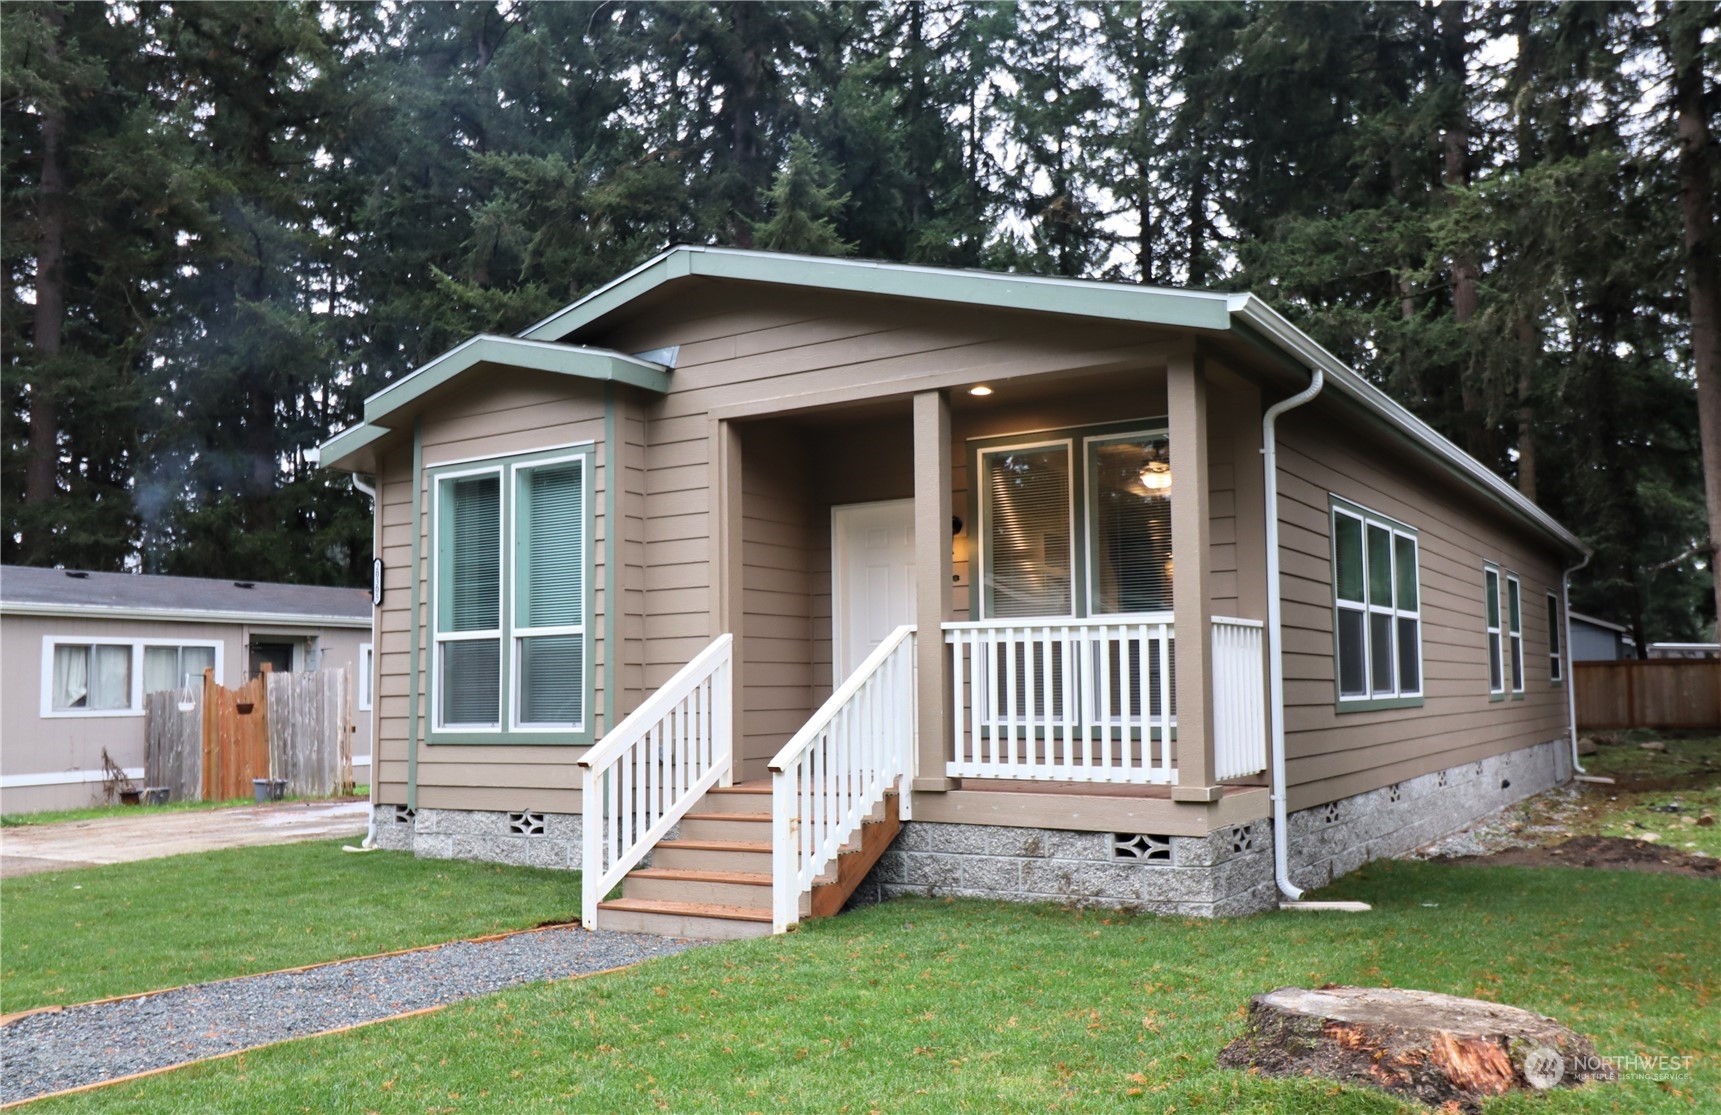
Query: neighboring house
x=1685, y=650
x=1597, y=640
x=751, y=468
x=82, y=649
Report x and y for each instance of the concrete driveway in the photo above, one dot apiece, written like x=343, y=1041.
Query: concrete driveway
x=28, y=849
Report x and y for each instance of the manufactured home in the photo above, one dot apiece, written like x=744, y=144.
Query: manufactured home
x=760, y=583
x=82, y=649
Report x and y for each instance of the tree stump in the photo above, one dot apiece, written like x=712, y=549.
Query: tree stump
x=1439, y=1049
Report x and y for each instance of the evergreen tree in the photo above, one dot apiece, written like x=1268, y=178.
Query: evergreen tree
x=802, y=206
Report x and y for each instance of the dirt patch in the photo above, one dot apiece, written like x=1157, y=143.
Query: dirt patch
x=1614, y=852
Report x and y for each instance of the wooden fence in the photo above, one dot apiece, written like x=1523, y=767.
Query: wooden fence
x=212, y=743
x=1648, y=693
x=310, y=731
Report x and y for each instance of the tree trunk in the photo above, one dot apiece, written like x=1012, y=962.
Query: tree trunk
x=1529, y=351
x=1455, y=171
x=1437, y=1049
x=42, y=461
x=1697, y=182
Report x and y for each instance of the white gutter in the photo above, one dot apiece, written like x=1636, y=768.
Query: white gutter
x=1275, y=639
x=178, y=615
x=1566, y=648
x=368, y=844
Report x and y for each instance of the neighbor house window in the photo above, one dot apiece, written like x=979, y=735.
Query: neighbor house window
x=1515, y=631
x=1491, y=609
x=367, y=662
x=1556, y=661
x=510, y=588
x=1076, y=525
x=1377, y=613
x=86, y=677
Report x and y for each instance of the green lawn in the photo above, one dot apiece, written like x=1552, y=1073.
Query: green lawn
x=967, y=1006
x=71, y=936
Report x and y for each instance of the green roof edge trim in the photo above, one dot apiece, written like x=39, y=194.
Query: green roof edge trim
x=601, y=365
x=991, y=289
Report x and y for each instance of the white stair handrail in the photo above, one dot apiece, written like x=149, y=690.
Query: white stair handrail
x=836, y=770
x=644, y=775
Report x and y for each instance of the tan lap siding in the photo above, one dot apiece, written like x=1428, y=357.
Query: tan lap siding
x=501, y=413
x=1333, y=755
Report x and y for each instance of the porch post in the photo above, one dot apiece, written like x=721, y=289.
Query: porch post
x=1186, y=396
x=727, y=575
x=932, y=583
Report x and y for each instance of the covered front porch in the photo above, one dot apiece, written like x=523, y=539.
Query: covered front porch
x=1058, y=531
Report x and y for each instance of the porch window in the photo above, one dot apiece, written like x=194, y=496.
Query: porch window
x=510, y=588
x=1515, y=632
x=1491, y=608
x=1070, y=527
x=1556, y=661
x=1377, y=616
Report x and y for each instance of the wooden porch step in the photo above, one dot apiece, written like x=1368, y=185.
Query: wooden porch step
x=692, y=854
x=719, y=845
x=707, y=921
x=764, y=818
x=748, y=889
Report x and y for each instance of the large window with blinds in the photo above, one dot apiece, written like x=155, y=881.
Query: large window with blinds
x=1076, y=523
x=1377, y=610
x=510, y=600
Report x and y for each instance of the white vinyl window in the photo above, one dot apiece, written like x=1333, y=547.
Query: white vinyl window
x=1377, y=613
x=1075, y=526
x=1491, y=610
x=366, y=664
x=1515, y=631
x=510, y=595
x=89, y=677
x=1556, y=660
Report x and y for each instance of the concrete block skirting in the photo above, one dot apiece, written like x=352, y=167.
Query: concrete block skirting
x=539, y=840
x=1227, y=873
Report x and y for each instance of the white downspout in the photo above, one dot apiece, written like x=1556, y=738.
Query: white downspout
x=1275, y=648
x=369, y=842
x=1571, y=662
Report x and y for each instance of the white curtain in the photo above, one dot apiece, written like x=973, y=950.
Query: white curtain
x=110, y=677
x=160, y=668
x=71, y=676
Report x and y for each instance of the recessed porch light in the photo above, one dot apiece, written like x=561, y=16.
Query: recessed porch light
x=979, y=389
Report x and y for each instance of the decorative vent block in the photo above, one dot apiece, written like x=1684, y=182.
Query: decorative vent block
x=528, y=822
x=1140, y=847
x=1331, y=815
x=404, y=814
x=1395, y=792
x=1440, y=779
x=1243, y=839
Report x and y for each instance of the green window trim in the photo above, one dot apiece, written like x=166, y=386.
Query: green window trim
x=1556, y=653
x=1377, y=610
x=523, y=522
x=1494, y=645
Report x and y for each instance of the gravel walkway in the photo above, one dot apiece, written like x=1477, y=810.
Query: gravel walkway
x=47, y=1052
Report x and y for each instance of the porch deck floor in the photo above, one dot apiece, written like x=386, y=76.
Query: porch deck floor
x=1054, y=789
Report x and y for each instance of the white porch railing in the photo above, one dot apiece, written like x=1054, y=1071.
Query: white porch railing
x=1239, y=699
x=646, y=773
x=836, y=770
x=1066, y=700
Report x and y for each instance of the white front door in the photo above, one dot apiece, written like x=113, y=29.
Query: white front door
x=872, y=591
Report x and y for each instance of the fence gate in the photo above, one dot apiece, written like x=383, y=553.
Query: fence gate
x=211, y=743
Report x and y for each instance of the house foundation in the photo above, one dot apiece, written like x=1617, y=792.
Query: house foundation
x=527, y=838
x=1225, y=874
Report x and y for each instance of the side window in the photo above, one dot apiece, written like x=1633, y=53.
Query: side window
x=1556, y=660
x=1491, y=610
x=1515, y=630
x=1377, y=608
x=90, y=677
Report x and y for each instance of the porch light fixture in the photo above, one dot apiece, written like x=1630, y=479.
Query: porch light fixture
x=1155, y=471
x=980, y=389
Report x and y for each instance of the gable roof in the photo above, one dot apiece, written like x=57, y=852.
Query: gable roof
x=26, y=590
x=1241, y=315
